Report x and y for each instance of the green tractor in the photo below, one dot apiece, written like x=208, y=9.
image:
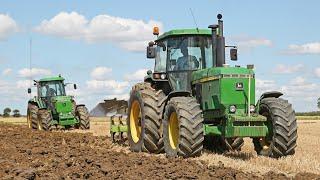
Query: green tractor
x=193, y=99
x=52, y=108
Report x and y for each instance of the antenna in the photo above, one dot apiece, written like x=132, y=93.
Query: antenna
x=194, y=19
x=30, y=61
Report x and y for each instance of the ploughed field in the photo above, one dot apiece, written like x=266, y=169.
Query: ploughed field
x=90, y=154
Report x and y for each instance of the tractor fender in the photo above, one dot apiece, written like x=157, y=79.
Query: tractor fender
x=38, y=102
x=275, y=94
x=175, y=94
x=78, y=105
x=178, y=94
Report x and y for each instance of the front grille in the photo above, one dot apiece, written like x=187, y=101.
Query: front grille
x=251, y=123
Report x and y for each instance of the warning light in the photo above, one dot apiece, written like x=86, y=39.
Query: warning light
x=155, y=31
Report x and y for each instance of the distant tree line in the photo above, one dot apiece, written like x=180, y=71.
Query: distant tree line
x=313, y=113
x=7, y=112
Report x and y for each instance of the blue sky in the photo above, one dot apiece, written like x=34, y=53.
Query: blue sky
x=100, y=44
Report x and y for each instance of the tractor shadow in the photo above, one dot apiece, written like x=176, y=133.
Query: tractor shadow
x=238, y=155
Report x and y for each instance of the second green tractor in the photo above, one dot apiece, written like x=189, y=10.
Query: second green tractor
x=193, y=99
x=52, y=108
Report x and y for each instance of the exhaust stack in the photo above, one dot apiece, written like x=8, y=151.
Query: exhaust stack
x=218, y=41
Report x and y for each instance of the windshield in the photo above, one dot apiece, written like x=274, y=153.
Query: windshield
x=52, y=88
x=189, y=53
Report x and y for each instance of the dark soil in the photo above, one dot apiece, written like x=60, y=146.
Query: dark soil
x=28, y=154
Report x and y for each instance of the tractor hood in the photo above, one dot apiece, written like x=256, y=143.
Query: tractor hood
x=223, y=88
x=63, y=104
x=218, y=72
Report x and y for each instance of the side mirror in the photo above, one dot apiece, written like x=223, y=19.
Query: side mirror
x=233, y=54
x=151, y=52
x=29, y=90
x=149, y=72
x=74, y=86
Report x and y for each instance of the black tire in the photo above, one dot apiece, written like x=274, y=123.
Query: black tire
x=32, y=116
x=187, y=140
x=151, y=104
x=44, y=120
x=83, y=117
x=219, y=144
x=282, y=126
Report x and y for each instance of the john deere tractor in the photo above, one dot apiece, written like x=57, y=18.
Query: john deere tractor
x=193, y=99
x=52, y=108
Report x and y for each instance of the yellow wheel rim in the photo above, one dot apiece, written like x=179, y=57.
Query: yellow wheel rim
x=135, y=121
x=173, y=130
x=39, y=125
x=29, y=120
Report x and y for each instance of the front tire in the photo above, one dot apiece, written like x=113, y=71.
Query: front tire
x=32, y=116
x=44, y=120
x=183, y=128
x=144, y=119
x=83, y=117
x=282, y=127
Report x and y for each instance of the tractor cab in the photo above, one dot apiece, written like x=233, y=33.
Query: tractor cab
x=179, y=53
x=51, y=87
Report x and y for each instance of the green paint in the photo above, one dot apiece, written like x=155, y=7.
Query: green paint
x=63, y=104
x=183, y=32
x=53, y=78
x=118, y=128
x=239, y=126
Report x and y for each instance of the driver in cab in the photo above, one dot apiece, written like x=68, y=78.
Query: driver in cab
x=186, y=62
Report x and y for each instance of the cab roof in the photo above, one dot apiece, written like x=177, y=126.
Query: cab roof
x=52, y=78
x=179, y=32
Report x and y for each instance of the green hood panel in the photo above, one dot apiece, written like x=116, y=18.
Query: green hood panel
x=63, y=104
x=217, y=71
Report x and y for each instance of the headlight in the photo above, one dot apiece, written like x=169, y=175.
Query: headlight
x=163, y=76
x=232, y=108
x=252, y=108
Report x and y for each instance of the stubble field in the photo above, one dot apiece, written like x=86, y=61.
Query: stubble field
x=234, y=164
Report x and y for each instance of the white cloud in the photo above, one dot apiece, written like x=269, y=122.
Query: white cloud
x=136, y=76
x=107, y=86
x=35, y=72
x=317, y=72
x=101, y=73
x=6, y=71
x=7, y=26
x=300, y=83
x=263, y=86
x=245, y=42
x=308, y=48
x=287, y=69
x=127, y=33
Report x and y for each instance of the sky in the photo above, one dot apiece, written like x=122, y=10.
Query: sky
x=100, y=45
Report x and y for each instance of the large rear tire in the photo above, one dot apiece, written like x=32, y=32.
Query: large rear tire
x=282, y=128
x=44, y=120
x=32, y=116
x=83, y=116
x=183, y=128
x=144, y=118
